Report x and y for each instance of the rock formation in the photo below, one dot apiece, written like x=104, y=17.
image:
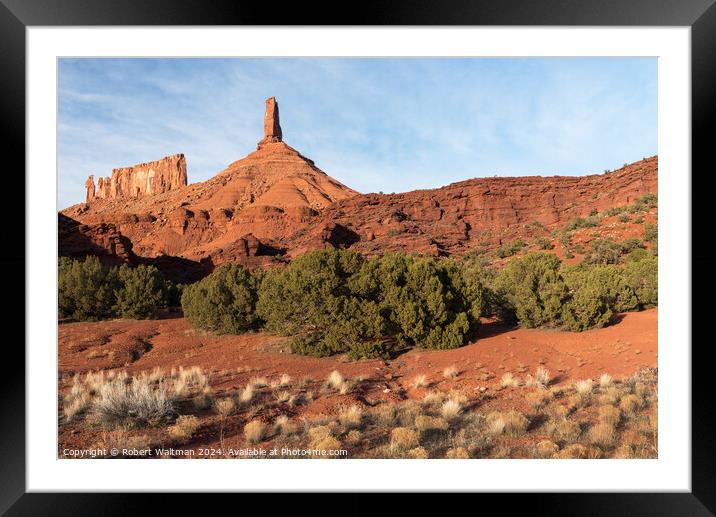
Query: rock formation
x=275, y=204
x=89, y=185
x=272, y=127
x=144, y=179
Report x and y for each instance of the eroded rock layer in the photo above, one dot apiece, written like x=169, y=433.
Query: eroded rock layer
x=144, y=179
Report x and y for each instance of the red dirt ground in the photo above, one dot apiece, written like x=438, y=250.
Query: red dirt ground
x=619, y=349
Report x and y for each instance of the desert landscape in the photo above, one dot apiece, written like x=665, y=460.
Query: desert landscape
x=274, y=312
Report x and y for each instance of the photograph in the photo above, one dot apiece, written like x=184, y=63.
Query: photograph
x=357, y=258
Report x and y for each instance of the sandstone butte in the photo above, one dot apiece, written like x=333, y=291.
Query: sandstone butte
x=275, y=204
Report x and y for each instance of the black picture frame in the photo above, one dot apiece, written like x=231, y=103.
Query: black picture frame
x=17, y=15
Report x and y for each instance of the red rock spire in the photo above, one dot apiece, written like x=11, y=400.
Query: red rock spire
x=272, y=128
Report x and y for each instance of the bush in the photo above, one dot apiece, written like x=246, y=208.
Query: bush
x=544, y=243
x=337, y=301
x=603, y=251
x=142, y=291
x=86, y=289
x=596, y=293
x=641, y=275
x=427, y=302
x=582, y=222
x=89, y=290
x=510, y=248
x=531, y=290
x=311, y=299
x=223, y=302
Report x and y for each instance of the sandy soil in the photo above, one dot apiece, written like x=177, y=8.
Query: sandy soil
x=620, y=349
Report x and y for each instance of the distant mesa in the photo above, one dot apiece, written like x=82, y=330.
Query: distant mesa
x=144, y=179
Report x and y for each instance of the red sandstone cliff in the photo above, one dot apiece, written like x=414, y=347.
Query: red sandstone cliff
x=144, y=179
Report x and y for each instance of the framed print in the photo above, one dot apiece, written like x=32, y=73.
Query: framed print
x=423, y=249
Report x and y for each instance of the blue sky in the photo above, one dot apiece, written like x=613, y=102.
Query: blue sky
x=387, y=125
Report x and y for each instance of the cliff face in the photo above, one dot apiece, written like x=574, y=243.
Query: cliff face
x=144, y=179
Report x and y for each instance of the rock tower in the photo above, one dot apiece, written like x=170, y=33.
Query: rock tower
x=272, y=127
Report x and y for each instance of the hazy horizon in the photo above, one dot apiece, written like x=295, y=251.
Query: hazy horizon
x=374, y=124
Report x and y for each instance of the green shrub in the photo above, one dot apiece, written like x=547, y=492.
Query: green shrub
x=631, y=244
x=89, y=290
x=427, y=302
x=531, y=290
x=651, y=233
x=624, y=218
x=615, y=211
x=603, y=251
x=336, y=301
x=582, y=222
x=311, y=299
x=142, y=290
x=544, y=243
x=641, y=274
x=223, y=302
x=509, y=249
x=596, y=293
x=86, y=289
x=648, y=200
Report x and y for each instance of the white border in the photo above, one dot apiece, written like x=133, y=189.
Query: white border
x=670, y=472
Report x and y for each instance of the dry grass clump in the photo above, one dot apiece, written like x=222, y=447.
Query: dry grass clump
x=457, y=453
x=187, y=382
x=450, y=372
x=611, y=395
x=540, y=380
x=335, y=380
x=350, y=417
x=402, y=439
x=136, y=404
x=354, y=437
x=120, y=439
x=76, y=402
x=605, y=380
x=225, y=406
x=602, y=435
x=609, y=415
x=246, y=394
x=417, y=453
x=420, y=381
x=284, y=380
x=450, y=409
x=329, y=443
x=282, y=396
x=584, y=387
x=205, y=399
x=573, y=452
x=511, y=423
x=407, y=412
x=255, y=431
x=538, y=399
x=258, y=382
x=384, y=414
x=630, y=404
x=283, y=426
x=545, y=449
x=318, y=433
x=430, y=423
x=564, y=430
x=433, y=397
x=184, y=428
x=509, y=381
